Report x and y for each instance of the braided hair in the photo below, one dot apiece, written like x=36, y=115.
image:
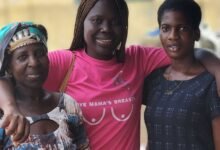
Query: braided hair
x=83, y=10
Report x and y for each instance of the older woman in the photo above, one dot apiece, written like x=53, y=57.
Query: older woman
x=56, y=120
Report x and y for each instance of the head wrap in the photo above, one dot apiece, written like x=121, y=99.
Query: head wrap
x=15, y=35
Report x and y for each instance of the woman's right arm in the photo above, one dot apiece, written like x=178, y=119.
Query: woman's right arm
x=13, y=121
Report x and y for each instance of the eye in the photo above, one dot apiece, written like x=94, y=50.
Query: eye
x=164, y=28
x=22, y=57
x=184, y=28
x=96, y=20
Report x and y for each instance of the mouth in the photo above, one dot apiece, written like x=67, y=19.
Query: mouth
x=104, y=42
x=33, y=76
x=173, y=48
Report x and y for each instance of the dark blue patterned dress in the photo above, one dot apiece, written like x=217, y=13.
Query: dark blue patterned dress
x=179, y=114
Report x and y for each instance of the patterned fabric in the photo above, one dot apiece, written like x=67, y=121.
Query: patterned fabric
x=26, y=36
x=70, y=135
x=182, y=120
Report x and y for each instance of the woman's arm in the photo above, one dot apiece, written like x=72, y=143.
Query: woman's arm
x=13, y=121
x=211, y=63
x=216, y=132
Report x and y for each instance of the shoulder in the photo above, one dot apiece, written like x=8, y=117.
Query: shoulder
x=60, y=53
x=61, y=58
x=205, y=78
x=156, y=73
x=64, y=52
x=138, y=49
x=210, y=79
x=203, y=85
x=146, y=55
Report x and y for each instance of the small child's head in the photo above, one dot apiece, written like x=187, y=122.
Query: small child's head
x=189, y=8
x=23, y=49
x=85, y=8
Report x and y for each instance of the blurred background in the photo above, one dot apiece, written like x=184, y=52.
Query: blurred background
x=58, y=16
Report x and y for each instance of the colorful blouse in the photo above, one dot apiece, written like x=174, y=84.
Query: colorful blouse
x=70, y=135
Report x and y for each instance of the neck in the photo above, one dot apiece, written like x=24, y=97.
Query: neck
x=183, y=65
x=183, y=69
x=29, y=95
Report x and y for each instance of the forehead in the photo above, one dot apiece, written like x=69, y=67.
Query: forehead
x=29, y=48
x=105, y=7
x=174, y=17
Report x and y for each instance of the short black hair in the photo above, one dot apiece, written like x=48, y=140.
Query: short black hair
x=189, y=8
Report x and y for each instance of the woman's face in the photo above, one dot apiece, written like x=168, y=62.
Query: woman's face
x=29, y=65
x=102, y=30
x=177, y=35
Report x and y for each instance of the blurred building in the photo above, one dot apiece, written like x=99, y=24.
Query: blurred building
x=59, y=15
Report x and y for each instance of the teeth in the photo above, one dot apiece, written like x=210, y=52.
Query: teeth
x=33, y=76
x=173, y=48
x=104, y=41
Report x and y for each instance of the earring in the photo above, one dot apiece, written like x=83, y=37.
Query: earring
x=119, y=46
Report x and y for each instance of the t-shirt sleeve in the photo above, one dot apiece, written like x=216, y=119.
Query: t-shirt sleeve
x=150, y=58
x=59, y=62
x=213, y=101
x=75, y=122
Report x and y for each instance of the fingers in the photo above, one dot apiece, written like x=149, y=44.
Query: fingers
x=20, y=129
x=17, y=126
x=9, y=122
x=22, y=132
x=4, y=122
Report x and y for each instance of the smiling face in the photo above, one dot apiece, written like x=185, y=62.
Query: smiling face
x=177, y=35
x=102, y=30
x=29, y=65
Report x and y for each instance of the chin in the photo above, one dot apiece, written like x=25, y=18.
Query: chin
x=106, y=54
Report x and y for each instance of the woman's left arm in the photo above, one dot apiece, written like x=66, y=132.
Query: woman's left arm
x=211, y=63
x=216, y=132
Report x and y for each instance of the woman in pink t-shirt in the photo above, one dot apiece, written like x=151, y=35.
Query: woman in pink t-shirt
x=106, y=80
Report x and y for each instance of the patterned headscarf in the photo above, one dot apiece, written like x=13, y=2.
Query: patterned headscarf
x=15, y=35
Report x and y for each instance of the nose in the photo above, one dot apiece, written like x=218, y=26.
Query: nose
x=33, y=61
x=173, y=35
x=106, y=27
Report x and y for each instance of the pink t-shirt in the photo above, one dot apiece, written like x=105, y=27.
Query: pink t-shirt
x=108, y=92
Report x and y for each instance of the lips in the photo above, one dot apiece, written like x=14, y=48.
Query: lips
x=33, y=76
x=104, y=42
x=173, y=48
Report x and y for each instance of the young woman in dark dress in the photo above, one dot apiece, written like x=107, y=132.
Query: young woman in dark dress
x=182, y=105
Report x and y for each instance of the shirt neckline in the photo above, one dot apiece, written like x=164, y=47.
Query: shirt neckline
x=98, y=61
